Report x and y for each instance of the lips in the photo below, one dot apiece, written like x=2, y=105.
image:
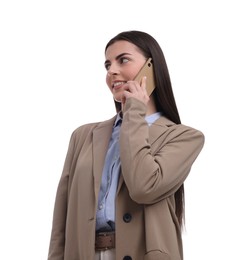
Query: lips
x=118, y=84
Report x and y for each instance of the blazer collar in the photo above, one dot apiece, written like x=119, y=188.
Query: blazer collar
x=158, y=128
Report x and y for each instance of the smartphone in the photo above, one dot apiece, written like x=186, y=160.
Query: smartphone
x=147, y=70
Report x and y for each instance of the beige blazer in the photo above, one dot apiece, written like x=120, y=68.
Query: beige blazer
x=155, y=161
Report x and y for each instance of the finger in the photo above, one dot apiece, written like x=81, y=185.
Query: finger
x=143, y=84
x=132, y=86
x=123, y=99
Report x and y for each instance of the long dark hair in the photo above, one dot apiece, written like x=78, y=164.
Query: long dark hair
x=163, y=93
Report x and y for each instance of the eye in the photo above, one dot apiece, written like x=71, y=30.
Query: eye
x=123, y=60
x=107, y=66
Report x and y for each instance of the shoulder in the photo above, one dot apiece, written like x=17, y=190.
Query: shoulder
x=173, y=131
x=86, y=130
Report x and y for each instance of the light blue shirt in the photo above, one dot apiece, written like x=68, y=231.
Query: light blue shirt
x=105, y=217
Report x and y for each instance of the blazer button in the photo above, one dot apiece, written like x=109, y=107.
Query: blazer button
x=127, y=257
x=127, y=218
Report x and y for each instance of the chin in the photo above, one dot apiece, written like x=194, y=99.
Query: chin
x=118, y=97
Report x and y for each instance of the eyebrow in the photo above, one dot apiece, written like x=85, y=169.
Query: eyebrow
x=118, y=57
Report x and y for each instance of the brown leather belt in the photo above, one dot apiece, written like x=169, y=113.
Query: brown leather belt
x=104, y=240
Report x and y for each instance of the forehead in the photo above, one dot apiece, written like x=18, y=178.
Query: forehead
x=121, y=47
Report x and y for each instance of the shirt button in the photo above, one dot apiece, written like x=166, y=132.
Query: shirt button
x=127, y=217
x=100, y=206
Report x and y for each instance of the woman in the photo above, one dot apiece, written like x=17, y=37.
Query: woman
x=121, y=192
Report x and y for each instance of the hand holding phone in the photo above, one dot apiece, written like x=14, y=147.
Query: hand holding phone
x=147, y=70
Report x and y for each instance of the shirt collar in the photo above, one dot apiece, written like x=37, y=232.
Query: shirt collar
x=149, y=119
x=152, y=118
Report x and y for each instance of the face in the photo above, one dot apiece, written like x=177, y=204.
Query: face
x=123, y=62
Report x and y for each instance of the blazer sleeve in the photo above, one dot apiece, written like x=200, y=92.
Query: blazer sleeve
x=154, y=174
x=57, y=240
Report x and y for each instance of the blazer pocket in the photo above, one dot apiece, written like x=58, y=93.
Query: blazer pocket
x=157, y=255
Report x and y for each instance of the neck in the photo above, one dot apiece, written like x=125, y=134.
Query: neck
x=151, y=106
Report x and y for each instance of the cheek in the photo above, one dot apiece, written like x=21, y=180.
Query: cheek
x=132, y=73
x=108, y=81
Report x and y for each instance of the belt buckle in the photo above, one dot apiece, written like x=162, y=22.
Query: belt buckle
x=104, y=241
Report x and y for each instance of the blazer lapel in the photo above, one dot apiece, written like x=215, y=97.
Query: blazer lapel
x=101, y=138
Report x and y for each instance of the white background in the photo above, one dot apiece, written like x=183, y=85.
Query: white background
x=52, y=80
